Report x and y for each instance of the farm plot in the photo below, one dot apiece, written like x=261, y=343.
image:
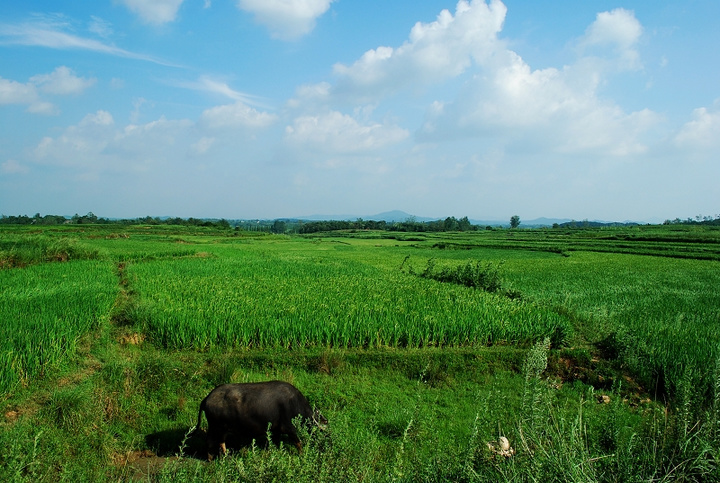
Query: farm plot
x=276, y=295
x=659, y=315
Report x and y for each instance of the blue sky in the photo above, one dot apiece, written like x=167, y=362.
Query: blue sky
x=284, y=108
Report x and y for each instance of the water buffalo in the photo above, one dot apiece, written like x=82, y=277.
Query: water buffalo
x=247, y=410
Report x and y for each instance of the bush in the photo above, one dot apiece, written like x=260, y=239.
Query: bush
x=474, y=274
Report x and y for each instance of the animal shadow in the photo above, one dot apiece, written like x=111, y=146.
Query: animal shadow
x=181, y=441
x=178, y=441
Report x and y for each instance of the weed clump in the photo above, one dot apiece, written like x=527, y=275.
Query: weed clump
x=473, y=274
x=32, y=250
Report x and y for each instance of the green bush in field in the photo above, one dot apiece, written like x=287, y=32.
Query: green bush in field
x=473, y=274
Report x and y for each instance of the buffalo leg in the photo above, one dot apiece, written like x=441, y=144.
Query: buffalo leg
x=215, y=444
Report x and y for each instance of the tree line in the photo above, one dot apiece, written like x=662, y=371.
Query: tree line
x=698, y=220
x=410, y=225
x=91, y=218
x=305, y=227
x=273, y=226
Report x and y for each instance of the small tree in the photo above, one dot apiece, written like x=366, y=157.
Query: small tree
x=278, y=227
x=514, y=221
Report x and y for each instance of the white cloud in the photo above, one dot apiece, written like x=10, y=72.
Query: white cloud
x=51, y=34
x=11, y=166
x=618, y=27
x=79, y=144
x=42, y=107
x=203, y=145
x=61, y=81
x=100, y=118
x=286, y=19
x=334, y=132
x=214, y=86
x=151, y=143
x=702, y=132
x=433, y=53
x=619, y=30
x=97, y=144
x=235, y=115
x=559, y=109
x=13, y=92
x=137, y=106
x=154, y=11
x=100, y=27
x=311, y=96
x=503, y=98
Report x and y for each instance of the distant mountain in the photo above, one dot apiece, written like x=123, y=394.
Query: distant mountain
x=543, y=222
x=395, y=216
x=387, y=216
x=326, y=218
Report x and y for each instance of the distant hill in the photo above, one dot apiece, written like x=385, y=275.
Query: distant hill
x=387, y=216
x=395, y=216
x=544, y=221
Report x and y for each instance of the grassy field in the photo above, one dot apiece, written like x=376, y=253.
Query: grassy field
x=595, y=352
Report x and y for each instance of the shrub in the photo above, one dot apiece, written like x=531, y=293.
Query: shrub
x=473, y=274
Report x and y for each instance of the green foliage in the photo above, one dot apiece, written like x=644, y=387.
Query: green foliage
x=70, y=408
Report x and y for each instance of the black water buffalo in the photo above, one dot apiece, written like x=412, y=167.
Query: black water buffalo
x=249, y=409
